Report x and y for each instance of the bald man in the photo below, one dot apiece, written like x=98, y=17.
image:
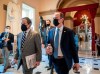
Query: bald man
x=64, y=51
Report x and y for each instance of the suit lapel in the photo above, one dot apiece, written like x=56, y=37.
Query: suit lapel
x=9, y=34
x=28, y=37
x=63, y=34
x=54, y=35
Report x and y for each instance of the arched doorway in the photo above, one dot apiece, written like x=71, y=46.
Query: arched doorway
x=78, y=8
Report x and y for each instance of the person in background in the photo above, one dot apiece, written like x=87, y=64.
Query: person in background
x=95, y=37
x=63, y=52
x=7, y=40
x=42, y=30
x=98, y=44
x=48, y=27
x=80, y=39
x=76, y=38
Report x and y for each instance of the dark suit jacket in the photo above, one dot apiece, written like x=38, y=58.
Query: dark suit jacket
x=11, y=37
x=47, y=33
x=32, y=45
x=67, y=45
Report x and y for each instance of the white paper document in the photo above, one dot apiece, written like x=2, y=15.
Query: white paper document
x=30, y=61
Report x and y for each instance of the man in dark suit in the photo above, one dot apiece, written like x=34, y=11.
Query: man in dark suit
x=48, y=27
x=7, y=40
x=61, y=46
x=28, y=44
x=42, y=30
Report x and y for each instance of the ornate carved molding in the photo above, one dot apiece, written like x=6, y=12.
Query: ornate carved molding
x=50, y=12
x=59, y=3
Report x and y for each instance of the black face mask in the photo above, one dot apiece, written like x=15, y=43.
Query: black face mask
x=55, y=22
x=23, y=27
x=48, y=24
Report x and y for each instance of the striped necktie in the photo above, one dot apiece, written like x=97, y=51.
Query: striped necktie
x=23, y=39
x=56, y=43
x=6, y=35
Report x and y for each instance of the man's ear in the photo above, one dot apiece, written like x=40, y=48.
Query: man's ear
x=29, y=25
x=63, y=19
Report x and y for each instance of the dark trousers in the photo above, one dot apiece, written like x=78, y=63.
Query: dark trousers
x=29, y=71
x=98, y=48
x=25, y=70
x=77, y=48
x=50, y=60
x=60, y=66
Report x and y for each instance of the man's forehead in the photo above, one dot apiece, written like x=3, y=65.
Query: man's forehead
x=47, y=21
x=57, y=14
x=24, y=20
x=7, y=27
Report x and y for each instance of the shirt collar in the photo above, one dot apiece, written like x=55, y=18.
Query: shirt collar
x=61, y=28
x=6, y=32
x=27, y=30
x=48, y=26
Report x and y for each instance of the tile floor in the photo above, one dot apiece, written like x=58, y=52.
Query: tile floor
x=89, y=65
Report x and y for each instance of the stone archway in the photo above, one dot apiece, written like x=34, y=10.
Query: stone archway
x=92, y=8
x=71, y=3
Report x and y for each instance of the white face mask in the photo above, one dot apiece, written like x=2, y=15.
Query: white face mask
x=7, y=30
x=15, y=1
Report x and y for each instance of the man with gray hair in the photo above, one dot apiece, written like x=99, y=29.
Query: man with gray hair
x=28, y=45
x=61, y=46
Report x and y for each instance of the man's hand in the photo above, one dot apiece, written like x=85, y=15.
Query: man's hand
x=49, y=49
x=37, y=64
x=6, y=40
x=16, y=61
x=76, y=66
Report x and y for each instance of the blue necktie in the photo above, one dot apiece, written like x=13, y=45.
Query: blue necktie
x=56, y=43
x=23, y=39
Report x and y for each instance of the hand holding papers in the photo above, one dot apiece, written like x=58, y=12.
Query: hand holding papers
x=30, y=61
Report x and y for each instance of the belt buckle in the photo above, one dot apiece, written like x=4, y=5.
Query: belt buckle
x=60, y=57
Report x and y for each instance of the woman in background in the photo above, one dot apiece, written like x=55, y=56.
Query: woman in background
x=98, y=45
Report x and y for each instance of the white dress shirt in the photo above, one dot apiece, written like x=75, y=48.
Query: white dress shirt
x=60, y=34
